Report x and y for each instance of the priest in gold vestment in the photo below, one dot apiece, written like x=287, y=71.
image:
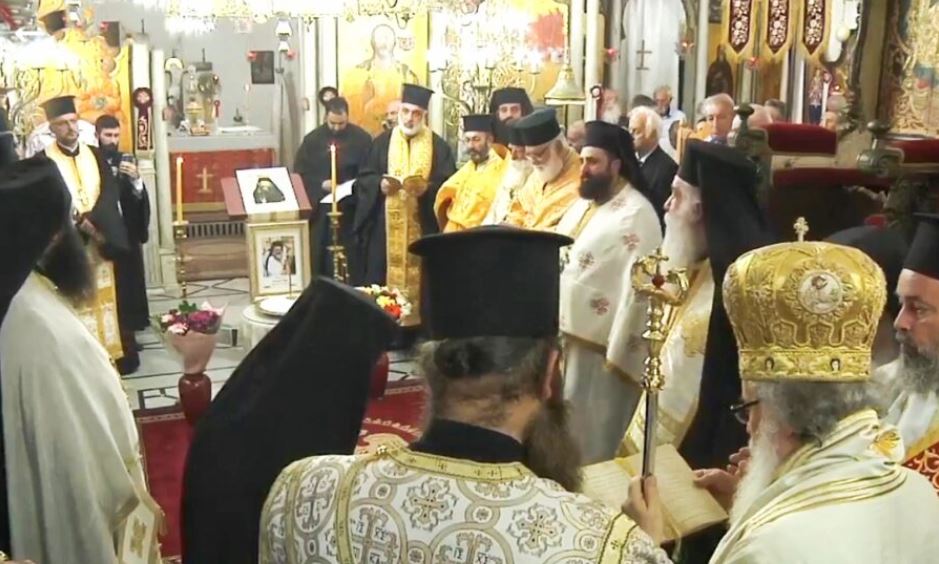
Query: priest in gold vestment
x=552, y=186
x=915, y=406
x=516, y=174
x=824, y=481
x=465, y=198
x=95, y=202
x=395, y=194
x=491, y=480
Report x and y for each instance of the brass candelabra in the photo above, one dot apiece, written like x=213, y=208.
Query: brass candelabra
x=665, y=291
x=180, y=234
x=338, y=252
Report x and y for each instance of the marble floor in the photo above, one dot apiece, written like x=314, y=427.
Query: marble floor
x=154, y=384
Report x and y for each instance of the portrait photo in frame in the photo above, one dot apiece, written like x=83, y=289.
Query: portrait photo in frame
x=278, y=258
x=266, y=190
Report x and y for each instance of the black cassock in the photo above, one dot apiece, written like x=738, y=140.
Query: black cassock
x=133, y=310
x=367, y=262
x=659, y=170
x=300, y=392
x=313, y=165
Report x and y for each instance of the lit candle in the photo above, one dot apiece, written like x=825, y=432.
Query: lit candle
x=335, y=175
x=179, y=189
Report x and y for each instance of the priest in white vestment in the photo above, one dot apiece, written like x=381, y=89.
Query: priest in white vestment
x=612, y=224
x=74, y=477
x=824, y=481
x=915, y=406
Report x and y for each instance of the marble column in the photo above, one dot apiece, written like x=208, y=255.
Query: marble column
x=592, y=75
x=327, y=64
x=309, y=80
x=140, y=73
x=614, y=39
x=436, y=116
x=163, y=210
x=701, y=58
x=797, y=107
x=576, y=39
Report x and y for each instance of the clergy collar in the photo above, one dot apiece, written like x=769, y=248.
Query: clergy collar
x=469, y=442
x=70, y=152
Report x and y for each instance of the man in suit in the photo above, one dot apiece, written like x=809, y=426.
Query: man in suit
x=657, y=167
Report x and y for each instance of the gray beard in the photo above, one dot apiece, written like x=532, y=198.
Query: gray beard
x=517, y=173
x=918, y=370
x=760, y=472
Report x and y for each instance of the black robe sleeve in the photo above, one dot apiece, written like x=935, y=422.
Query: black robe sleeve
x=659, y=171
x=106, y=213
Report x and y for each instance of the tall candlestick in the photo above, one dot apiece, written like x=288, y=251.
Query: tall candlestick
x=335, y=175
x=179, y=189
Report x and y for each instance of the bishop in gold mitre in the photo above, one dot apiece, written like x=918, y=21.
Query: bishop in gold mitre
x=493, y=477
x=465, y=198
x=825, y=481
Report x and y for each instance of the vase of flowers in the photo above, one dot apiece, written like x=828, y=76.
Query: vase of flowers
x=193, y=333
x=397, y=305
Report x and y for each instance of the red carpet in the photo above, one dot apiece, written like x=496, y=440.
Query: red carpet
x=393, y=419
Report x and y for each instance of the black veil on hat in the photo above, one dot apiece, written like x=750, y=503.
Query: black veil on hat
x=886, y=246
x=618, y=143
x=492, y=281
x=416, y=95
x=924, y=251
x=734, y=224
x=302, y=391
x=34, y=206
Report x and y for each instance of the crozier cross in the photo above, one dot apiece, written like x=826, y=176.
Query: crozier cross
x=642, y=52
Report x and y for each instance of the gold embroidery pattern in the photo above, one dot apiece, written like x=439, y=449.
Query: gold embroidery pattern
x=406, y=158
x=927, y=464
x=694, y=334
x=404, y=506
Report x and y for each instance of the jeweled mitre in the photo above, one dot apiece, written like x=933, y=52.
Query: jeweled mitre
x=805, y=311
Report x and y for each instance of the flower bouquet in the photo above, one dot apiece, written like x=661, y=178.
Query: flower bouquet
x=397, y=305
x=392, y=300
x=193, y=332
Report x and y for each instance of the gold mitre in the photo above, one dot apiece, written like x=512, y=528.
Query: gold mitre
x=805, y=311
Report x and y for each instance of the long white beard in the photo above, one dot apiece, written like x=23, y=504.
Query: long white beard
x=550, y=170
x=760, y=472
x=680, y=244
x=517, y=173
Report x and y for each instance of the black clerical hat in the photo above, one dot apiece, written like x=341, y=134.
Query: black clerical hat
x=515, y=136
x=510, y=95
x=55, y=107
x=491, y=282
x=611, y=138
x=924, y=252
x=886, y=246
x=688, y=167
x=538, y=127
x=478, y=122
x=417, y=95
x=53, y=21
x=34, y=206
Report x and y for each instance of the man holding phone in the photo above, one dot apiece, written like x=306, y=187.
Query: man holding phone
x=131, y=286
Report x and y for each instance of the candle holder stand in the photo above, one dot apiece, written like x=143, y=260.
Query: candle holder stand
x=338, y=252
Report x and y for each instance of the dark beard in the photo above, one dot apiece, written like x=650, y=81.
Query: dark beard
x=550, y=449
x=66, y=264
x=596, y=186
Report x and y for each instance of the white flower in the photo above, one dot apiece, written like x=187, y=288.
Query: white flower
x=177, y=329
x=166, y=318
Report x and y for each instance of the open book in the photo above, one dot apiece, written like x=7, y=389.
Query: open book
x=687, y=508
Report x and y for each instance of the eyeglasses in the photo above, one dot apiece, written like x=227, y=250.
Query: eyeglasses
x=741, y=410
